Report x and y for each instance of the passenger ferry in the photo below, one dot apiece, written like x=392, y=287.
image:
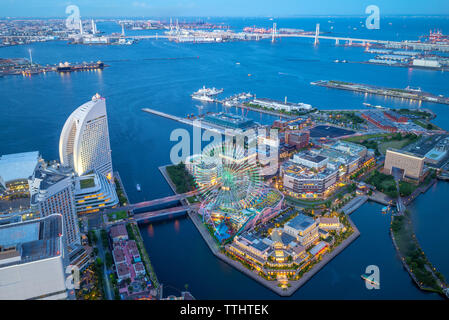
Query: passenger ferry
x=208, y=91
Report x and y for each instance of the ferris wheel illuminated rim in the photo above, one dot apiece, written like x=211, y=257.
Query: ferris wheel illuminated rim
x=227, y=178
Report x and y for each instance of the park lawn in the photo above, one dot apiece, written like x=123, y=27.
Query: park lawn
x=118, y=215
x=395, y=144
x=366, y=137
x=424, y=125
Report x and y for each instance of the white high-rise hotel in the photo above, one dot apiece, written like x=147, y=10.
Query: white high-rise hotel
x=84, y=143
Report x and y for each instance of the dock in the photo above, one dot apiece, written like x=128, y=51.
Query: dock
x=198, y=123
x=391, y=92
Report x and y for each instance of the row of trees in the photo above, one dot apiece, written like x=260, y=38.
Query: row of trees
x=182, y=179
x=384, y=183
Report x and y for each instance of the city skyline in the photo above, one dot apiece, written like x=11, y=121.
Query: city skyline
x=232, y=8
x=221, y=150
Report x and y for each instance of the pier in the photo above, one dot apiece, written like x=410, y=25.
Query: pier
x=199, y=123
x=392, y=92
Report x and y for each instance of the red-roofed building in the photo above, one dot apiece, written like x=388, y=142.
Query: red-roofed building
x=139, y=269
x=396, y=117
x=118, y=255
x=122, y=271
x=118, y=233
x=133, y=250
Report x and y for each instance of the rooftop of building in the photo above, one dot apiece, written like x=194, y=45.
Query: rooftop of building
x=350, y=147
x=379, y=117
x=118, y=254
x=329, y=220
x=51, y=175
x=317, y=248
x=286, y=103
x=309, y=156
x=303, y=172
x=279, y=236
x=259, y=245
x=34, y=240
x=394, y=114
x=118, y=231
x=301, y=222
x=122, y=269
x=229, y=120
x=338, y=156
x=426, y=144
x=18, y=166
x=404, y=152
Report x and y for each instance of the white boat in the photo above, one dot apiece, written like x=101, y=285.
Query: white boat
x=138, y=187
x=202, y=97
x=208, y=91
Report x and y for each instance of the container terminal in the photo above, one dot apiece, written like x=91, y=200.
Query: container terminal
x=407, y=93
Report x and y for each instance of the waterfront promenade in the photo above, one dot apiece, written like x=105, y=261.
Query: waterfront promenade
x=353, y=205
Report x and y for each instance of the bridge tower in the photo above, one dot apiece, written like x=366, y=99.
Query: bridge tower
x=317, y=33
x=273, y=33
x=337, y=41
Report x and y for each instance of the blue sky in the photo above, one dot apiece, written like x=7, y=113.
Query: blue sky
x=165, y=8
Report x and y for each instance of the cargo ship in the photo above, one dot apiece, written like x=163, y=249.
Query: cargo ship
x=67, y=67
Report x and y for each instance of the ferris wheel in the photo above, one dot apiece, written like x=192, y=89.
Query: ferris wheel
x=227, y=177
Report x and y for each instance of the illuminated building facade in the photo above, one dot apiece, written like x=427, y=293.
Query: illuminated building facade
x=411, y=165
x=315, y=173
x=94, y=192
x=84, y=143
x=52, y=192
x=304, y=229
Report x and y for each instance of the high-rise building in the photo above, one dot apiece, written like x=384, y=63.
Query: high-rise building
x=52, y=192
x=33, y=260
x=410, y=165
x=84, y=143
